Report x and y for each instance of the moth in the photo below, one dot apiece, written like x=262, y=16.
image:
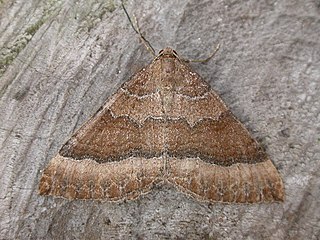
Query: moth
x=163, y=126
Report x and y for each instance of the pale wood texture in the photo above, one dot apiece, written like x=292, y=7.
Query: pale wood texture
x=60, y=60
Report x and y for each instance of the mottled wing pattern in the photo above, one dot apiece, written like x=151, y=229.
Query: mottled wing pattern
x=214, y=158
x=117, y=154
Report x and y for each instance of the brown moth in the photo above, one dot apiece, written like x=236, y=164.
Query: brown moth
x=163, y=126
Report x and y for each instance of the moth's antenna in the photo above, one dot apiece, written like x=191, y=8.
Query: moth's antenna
x=205, y=59
x=137, y=30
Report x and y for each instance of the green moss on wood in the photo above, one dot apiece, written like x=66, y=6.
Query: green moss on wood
x=34, y=28
x=94, y=17
x=11, y=51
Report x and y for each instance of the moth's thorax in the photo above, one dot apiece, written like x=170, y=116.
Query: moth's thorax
x=167, y=58
x=168, y=66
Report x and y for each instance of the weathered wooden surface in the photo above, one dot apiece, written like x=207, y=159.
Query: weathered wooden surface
x=60, y=60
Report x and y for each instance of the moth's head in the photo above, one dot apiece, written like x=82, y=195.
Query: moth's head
x=168, y=53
